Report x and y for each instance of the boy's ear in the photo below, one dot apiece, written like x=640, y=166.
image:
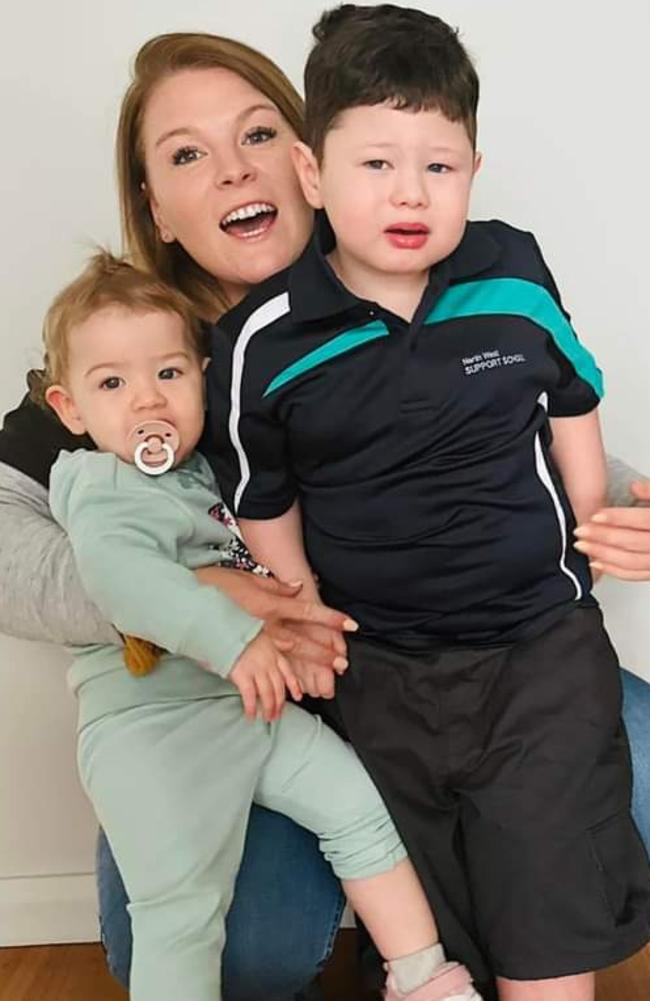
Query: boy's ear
x=62, y=404
x=478, y=161
x=306, y=167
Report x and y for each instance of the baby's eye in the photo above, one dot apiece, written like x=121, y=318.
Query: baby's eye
x=112, y=382
x=169, y=373
x=438, y=168
x=186, y=154
x=377, y=164
x=260, y=134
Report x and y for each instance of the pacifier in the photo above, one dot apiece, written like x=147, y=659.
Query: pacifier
x=154, y=444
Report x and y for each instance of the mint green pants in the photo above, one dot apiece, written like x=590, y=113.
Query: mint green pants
x=172, y=785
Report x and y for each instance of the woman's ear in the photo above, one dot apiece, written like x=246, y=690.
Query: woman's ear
x=164, y=231
x=308, y=171
x=64, y=407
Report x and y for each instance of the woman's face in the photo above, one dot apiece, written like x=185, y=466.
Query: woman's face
x=220, y=178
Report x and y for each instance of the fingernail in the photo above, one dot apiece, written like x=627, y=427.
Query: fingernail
x=595, y=565
x=600, y=517
x=580, y=546
x=350, y=625
x=295, y=583
x=340, y=663
x=580, y=531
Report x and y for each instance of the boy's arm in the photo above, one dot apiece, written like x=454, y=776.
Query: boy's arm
x=277, y=543
x=579, y=455
x=124, y=543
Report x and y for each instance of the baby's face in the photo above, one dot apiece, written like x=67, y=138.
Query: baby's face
x=125, y=368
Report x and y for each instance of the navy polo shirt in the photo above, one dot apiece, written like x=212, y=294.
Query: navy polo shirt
x=419, y=451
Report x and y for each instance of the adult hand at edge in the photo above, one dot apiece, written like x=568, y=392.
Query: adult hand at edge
x=616, y=540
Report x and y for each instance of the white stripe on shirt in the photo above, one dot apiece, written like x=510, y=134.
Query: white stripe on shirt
x=263, y=317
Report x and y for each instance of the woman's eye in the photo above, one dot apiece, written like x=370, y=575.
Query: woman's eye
x=113, y=382
x=260, y=134
x=438, y=168
x=186, y=154
x=169, y=373
x=377, y=164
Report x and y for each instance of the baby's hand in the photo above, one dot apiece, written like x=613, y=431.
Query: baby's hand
x=263, y=673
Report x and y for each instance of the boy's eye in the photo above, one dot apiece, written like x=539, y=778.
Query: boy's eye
x=438, y=168
x=112, y=382
x=186, y=154
x=169, y=373
x=377, y=164
x=260, y=134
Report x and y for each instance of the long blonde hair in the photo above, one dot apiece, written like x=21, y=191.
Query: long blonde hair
x=159, y=58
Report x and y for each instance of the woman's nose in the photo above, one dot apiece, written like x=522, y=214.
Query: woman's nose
x=234, y=171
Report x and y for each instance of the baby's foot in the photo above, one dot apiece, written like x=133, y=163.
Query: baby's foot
x=450, y=982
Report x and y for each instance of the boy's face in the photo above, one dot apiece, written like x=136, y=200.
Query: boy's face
x=396, y=187
x=125, y=368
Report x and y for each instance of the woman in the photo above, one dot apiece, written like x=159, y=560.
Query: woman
x=210, y=203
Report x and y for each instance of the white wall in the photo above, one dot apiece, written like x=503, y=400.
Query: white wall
x=566, y=153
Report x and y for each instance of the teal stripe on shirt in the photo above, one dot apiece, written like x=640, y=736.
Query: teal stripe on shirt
x=339, y=345
x=517, y=297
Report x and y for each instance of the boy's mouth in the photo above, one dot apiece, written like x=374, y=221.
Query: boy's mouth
x=407, y=235
x=250, y=220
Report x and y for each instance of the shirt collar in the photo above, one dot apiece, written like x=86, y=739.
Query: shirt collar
x=316, y=293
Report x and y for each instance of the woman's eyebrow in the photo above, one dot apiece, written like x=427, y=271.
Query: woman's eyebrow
x=183, y=130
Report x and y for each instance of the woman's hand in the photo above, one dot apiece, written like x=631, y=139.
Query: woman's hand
x=262, y=675
x=616, y=540
x=312, y=632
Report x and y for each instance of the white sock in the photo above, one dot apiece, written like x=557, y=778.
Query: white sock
x=410, y=972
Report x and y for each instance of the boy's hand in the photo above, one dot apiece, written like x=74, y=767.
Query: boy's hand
x=262, y=674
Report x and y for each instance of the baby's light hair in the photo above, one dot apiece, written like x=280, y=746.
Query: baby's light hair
x=105, y=281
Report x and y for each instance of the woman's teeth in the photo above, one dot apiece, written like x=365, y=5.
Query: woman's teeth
x=248, y=217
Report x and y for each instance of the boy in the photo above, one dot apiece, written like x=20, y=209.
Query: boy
x=414, y=383
x=170, y=760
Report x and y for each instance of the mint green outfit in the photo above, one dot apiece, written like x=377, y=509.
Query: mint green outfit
x=168, y=760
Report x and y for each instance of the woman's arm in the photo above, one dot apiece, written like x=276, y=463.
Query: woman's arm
x=41, y=596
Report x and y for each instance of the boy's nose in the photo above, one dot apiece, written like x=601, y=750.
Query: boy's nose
x=410, y=189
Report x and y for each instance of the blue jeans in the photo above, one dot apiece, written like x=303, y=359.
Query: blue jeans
x=636, y=713
x=287, y=904
x=282, y=922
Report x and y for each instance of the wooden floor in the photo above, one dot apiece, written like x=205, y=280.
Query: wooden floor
x=78, y=973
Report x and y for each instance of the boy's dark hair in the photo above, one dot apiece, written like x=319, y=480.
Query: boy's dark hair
x=370, y=55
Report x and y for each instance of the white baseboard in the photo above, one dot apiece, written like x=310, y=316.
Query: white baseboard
x=42, y=910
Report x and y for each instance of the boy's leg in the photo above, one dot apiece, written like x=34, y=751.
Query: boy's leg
x=558, y=872
x=537, y=837
x=172, y=785
x=579, y=988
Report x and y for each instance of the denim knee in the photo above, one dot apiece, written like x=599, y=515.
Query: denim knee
x=636, y=714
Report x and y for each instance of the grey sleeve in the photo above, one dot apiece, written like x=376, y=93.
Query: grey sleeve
x=41, y=596
x=619, y=477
